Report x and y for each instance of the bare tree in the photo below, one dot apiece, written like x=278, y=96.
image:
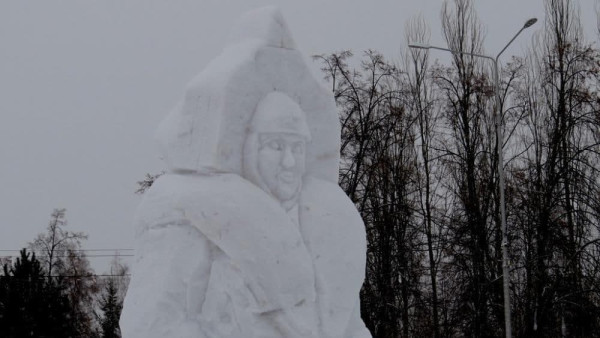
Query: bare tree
x=56, y=243
x=421, y=101
x=557, y=184
x=67, y=267
x=470, y=158
x=419, y=159
x=378, y=173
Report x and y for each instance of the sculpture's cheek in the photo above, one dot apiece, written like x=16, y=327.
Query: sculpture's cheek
x=281, y=170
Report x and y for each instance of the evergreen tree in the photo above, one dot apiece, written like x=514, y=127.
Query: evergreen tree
x=111, y=307
x=30, y=306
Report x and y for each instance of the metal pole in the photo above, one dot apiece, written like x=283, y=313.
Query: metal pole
x=500, y=142
x=505, y=267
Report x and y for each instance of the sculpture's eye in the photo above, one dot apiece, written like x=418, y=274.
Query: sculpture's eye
x=298, y=148
x=275, y=145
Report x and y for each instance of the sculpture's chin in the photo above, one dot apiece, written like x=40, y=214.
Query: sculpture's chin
x=285, y=192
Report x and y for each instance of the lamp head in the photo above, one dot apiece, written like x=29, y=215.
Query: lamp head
x=530, y=22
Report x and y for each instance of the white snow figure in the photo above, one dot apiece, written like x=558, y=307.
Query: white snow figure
x=249, y=235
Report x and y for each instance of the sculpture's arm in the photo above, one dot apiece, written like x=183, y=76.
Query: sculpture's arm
x=356, y=326
x=157, y=304
x=288, y=325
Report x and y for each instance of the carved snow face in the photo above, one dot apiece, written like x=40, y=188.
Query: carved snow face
x=275, y=149
x=281, y=163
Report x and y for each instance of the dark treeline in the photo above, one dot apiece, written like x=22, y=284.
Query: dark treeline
x=55, y=294
x=419, y=161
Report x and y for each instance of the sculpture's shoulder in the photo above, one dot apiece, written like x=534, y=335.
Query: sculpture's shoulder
x=335, y=235
x=173, y=197
x=327, y=198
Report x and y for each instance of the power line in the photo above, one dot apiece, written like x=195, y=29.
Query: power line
x=71, y=276
x=62, y=251
x=29, y=280
x=78, y=250
x=86, y=256
x=87, y=276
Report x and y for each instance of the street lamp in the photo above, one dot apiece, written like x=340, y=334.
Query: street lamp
x=500, y=140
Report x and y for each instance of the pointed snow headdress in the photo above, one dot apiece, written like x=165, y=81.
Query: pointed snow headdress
x=207, y=130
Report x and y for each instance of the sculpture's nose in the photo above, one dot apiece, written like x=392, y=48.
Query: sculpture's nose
x=288, y=160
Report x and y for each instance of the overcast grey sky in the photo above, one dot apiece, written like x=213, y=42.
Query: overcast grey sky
x=84, y=84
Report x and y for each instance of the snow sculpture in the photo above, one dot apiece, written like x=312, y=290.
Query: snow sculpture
x=249, y=235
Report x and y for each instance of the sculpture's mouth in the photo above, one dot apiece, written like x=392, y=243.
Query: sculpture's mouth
x=287, y=177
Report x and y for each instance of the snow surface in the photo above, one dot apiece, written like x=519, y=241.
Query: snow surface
x=217, y=254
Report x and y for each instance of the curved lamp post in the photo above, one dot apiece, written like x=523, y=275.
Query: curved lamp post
x=500, y=141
